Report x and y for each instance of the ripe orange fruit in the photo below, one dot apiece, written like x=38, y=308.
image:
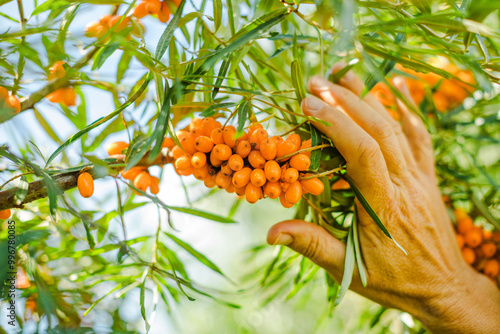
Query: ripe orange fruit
x=5, y=214
x=228, y=135
x=272, y=189
x=314, y=186
x=277, y=139
x=188, y=144
x=56, y=96
x=243, y=148
x=195, y=123
x=196, y=132
x=217, y=136
x=242, y=177
x=291, y=175
x=306, y=144
x=256, y=159
x=182, y=134
x=226, y=170
x=4, y=93
x=464, y=225
x=140, y=10
x=177, y=152
x=230, y=188
x=142, y=181
x=186, y=172
x=210, y=181
x=153, y=6
x=252, y=193
x=257, y=137
x=473, y=238
x=222, y=181
x=284, y=201
x=68, y=96
x=183, y=163
x=285, y=148
x=268, y=149
x=155, y=185
x=199, y=159
x=489, y=249
x=341, y=185
x=132, y=172
x=460, y=214
x=168, y=143
x=13, y=103
x=235, y=162
x=487, y=235
x=258, y=177
x=300, y=162
x=253, y=127
x=207, y=126
x=85, y=185
x=468, y=255
x=57, y=70
x=272, y=170
x=294, y=192
x=460, y=240
x=204, y=144
x=240, y=191
x=116, y=148
x=222, y=152
x=164, y=13
x=295, y=138
x=214, y=161
x=201, y=173
x=491, y=268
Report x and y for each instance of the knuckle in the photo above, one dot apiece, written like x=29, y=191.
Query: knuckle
x=312, y=250
x=368, y=150
x=381, y=130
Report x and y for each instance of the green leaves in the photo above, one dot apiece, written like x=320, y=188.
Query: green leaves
x=242, y=114
x=349, y=264
x=202, y=214
x=315, y=141
x=169, y=32
x=298, y=81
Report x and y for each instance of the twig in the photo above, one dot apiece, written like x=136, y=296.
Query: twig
x=328, y=172
x=13, y=178
x=293, y=129
x=302, y=151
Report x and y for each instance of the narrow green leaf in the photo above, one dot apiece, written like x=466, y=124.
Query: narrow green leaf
x=315, y=141
x=123, y=66
x=119, y=286
x=357, y=249
x=104, y=54
x=222, y=74
x=242, y=114
x=202, y=214
x=142, y=302
x=230, y=15
x=21, y=190
x=349, y=263
x=46, y=126
x=169, y=32
x=163, y=121
x=210, y=111
x=217, y=14
x=297, y=81
x=335, y=77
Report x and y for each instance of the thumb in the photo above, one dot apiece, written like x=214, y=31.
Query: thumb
x=312, y=241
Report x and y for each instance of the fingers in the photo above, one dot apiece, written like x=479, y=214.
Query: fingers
x=365, y=162
x=312, y=241
x=414, y=129
x=370, y=121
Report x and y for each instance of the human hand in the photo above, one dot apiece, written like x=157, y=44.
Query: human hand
x=393, y=167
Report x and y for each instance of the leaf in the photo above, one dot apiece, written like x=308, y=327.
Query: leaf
x=315, y=141
x=483, y=209
x=222, y=74
x=357, y=249
x=21, y=190
x=119, y=286
x=242, y=114
x=163, y=121
x=104, y=54
x=336, y=77
x=230, y=15
x=168, y=32
x=123, y=65
x=297, y=81
x=203, y=214
x=349, y=262
x=46, y=126
x=210, y=111
x=217, y=14
x=370, y=210
x=143, y=299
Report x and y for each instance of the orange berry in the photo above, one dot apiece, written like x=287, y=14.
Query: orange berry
x=57, y=70
x=168, y=143
x=460, y=240
x=242, y=177
x=182, y=134
x=186, y=172
x=142, y=181
x=285, y=148
x=210, y=181
x=122, y=25
x=164, y=13
x=177, y=152
x=340, y=185
x=295, y=138
x=284, y=186
x=207, y=126
x=240, y=191
x=106, y=20
x=195, y=123
x=277, y=139
x=155, y=185
x=235, y=162
x=268, y=149
x=290, y=175
x=272, y=189
x=491, y=268
x=183, y=163
x=257, y=137
x=201, y=173
x=116, y=147
x=204, y=144
x=258, y=177
x=199, y=159
x=5, y=214
x=153, y=6
x=222, y=152
x=217, y=136
x=487, y=234
x=230, y=188
x=222, y=180
x=464, y=225
x=300, y=162
x=306, y=144
x=256, y=159
x=284, y=201
x=4, y=93
x=468, y=255
x=188, y=144
x=132, y=172
x=489, y=249
x=243, y=136
x=13, y=103
x=214, y=161
x=495, y=236
x=460, y=214
x=226, y=170
x=56, y=96
x=294, y=192
x=243, y=148
x=252, y=193
x=473, y=238
x=68, y=96
x=272, y=170
x=228, y=134
x=196, y=132
x=313, y=186
x=85, y=185
x=253, y=127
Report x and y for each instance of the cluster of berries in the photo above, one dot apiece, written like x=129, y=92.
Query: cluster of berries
x=140, y=176
x=66, y=95
x=479, y=247
x=252, y=165
x=154, y=7
x=100, y=28
x=9, y=102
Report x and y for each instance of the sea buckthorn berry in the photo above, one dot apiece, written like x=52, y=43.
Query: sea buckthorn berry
x=473, y=238
x=243, y=148
x=5, y=214
x=284, y=186
x=207, y=126
x=85, y=184
x=291, y=175
x=242, y=177
x=122, y=25
x=105, y=20
x=285, y=148
x=195, y=123
x=268, y=149
x=116, y=147
x=68, y=96
x=464, y=225
x=199, y=159
x=56, y=96
x=217, y=136
x=487, y=234
x=272, y=170
x=222, y=180
x=230, y=188
x=295, y=138
x=142, y=181
x=196, y=132
x=272, y=189
x=468, y=255
x=222, y=152
x=210, y=181
x=229, y=136
x=177, y=152
x=460, y=214
x=183, y=163
x=256, y=159
x=300, y=162
x=240, y=191
x=204, y=144
x=235, y=162
x=294, y=192
x=164, y=13
x=182, y=134
x=243, y=136
x=258, y=177
x=226, y=170
x=253, y=127
x=252, y=193
x=306, y=144
x=214, y=161
x=201, y=173
x=155, y=185
x=188, y=144
x=489, y=249
x=491, y=268
x=153, y=6
x=132, y=172
x=186, y=172
x=4, y=93
x=460, y=240
x=313, y=186
x=13, y=103
x=284, y=202
x=341, y=185
x=495, y=236
x=168, y=143
x=257, y=137
x=277, y=139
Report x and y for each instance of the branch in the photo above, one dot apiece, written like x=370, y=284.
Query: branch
x=68, y=180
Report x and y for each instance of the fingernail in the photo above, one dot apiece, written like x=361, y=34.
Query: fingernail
x=283, y=239
x=313, y=103
x=318, y=81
